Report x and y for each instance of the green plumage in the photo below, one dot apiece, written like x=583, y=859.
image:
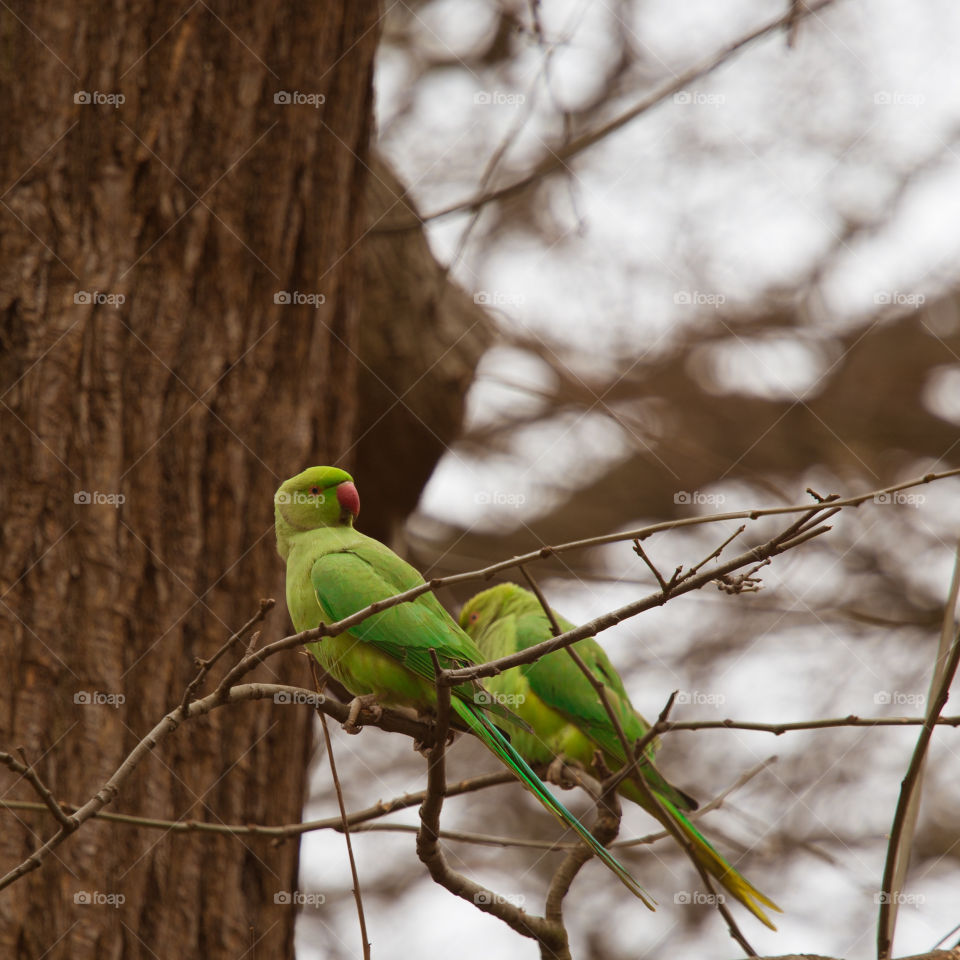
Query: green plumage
x=567, y=719
x=334, y=571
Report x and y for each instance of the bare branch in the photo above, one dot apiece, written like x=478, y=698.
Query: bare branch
x=280, y=833
x=769, y=549
x=266, y=605
x=489, y=840
x=780, y=728
x=665, y=585
x=716, y=553
x=344, y=821
x=26, y=770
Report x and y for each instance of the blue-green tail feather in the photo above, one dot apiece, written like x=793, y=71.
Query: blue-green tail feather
x=498, y=744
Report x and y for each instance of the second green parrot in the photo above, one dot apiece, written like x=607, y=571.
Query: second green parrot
x=567, y=719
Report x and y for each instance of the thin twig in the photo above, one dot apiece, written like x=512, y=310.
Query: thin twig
x=27, y=771
x=522, y=842
x=266, y=605
x=703, y=809
x=665, y=585
x=344, y=820
x=657, y=809
x=716, y=553
x=280, y=833
x=771, y=548
x=777, y=729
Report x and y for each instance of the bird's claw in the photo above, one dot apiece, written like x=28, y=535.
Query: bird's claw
x=556, y=773
x=423, y=747
x=367, y=702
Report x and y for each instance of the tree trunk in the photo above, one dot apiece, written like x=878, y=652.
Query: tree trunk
x=155, y=389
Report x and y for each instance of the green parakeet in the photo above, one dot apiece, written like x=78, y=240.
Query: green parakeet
x=334, y=571
x=567, y=719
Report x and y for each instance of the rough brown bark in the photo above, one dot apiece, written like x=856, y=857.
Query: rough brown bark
x=197, y=199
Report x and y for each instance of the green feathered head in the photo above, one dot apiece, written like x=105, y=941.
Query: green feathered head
x=318, y=497
x=490, y=605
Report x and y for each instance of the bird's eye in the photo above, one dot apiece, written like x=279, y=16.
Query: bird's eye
x=315, y=490
x=475, y=616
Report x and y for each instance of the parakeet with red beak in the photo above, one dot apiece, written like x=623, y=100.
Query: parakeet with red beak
x=566, y=719
x=334, y=571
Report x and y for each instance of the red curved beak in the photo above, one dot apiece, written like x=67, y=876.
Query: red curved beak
x=348, y=498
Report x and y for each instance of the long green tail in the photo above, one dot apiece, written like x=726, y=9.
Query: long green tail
x=710, y=860
x=495, y=741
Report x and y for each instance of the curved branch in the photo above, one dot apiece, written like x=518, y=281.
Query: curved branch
x=793, y=536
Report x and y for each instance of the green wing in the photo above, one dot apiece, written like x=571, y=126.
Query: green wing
x=349, y=580
x=560, y=684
